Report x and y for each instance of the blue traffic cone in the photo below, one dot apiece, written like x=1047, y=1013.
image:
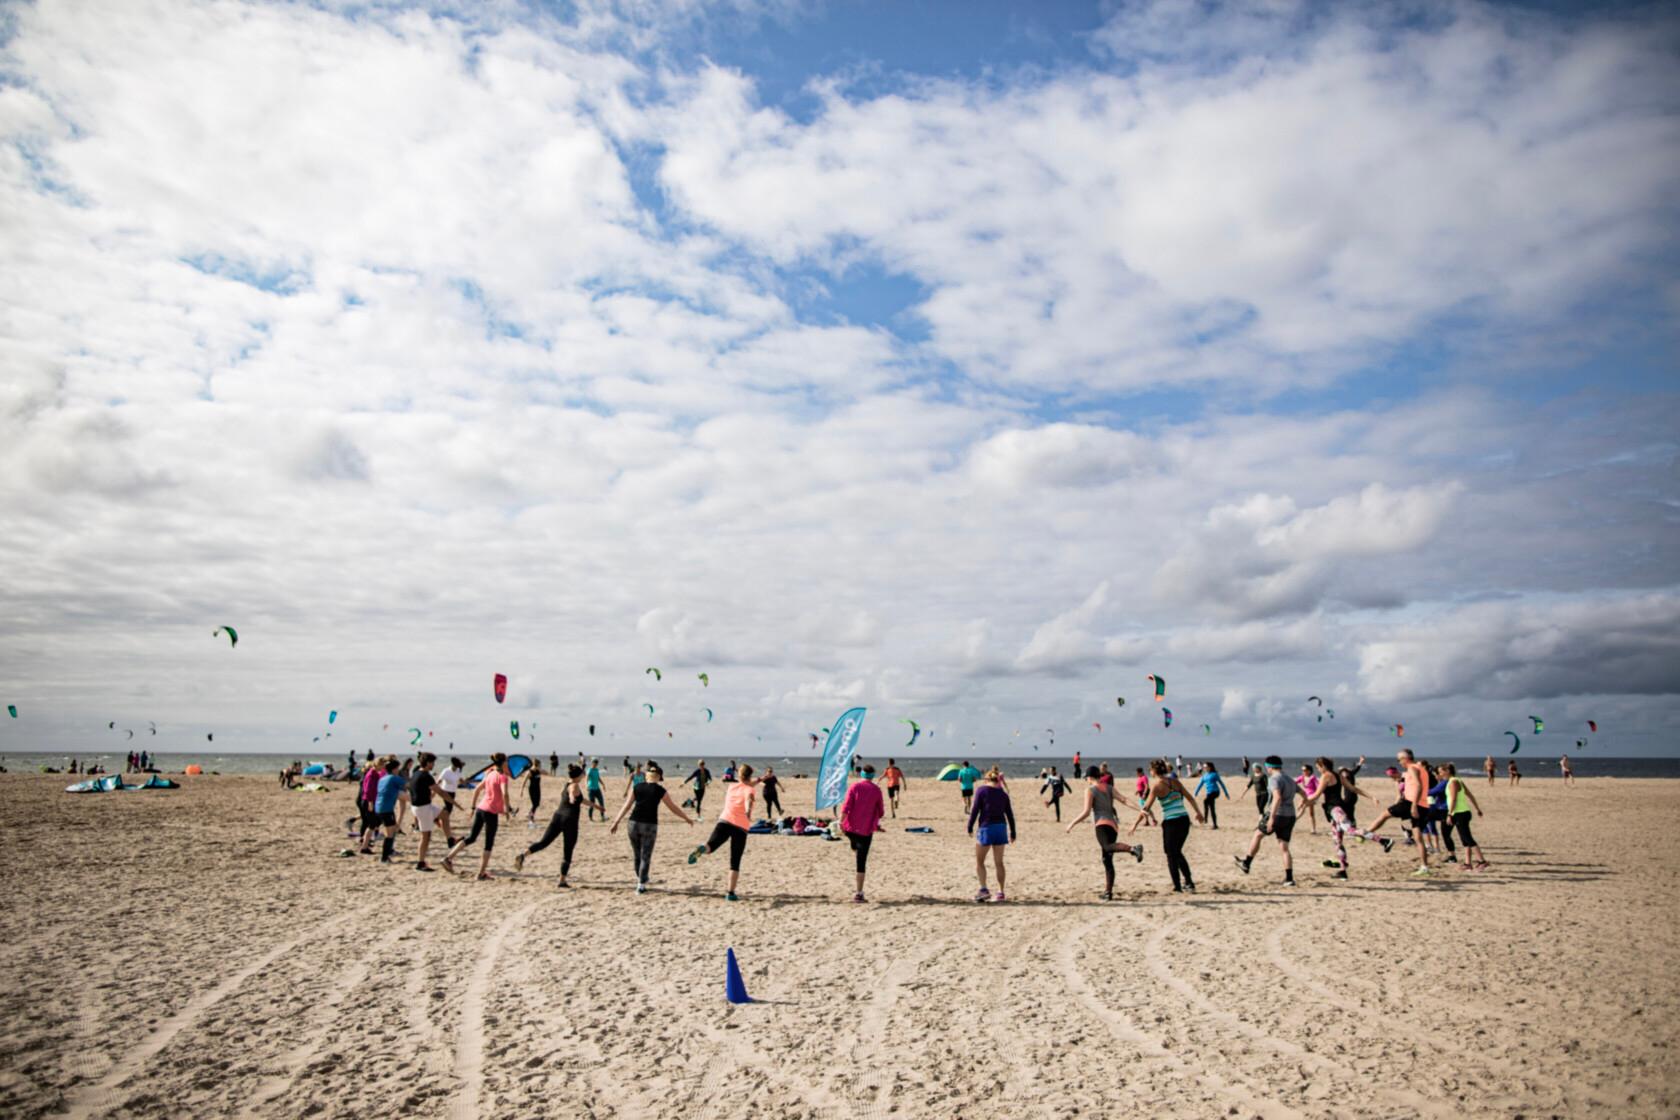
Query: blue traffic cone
x=733, y=986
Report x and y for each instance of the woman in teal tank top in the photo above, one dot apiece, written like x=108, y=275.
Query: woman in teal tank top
x=1176, y=807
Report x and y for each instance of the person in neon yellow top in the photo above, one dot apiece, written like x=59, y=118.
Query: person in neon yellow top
x=1460, y=801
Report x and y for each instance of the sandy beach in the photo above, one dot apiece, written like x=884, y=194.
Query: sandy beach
x=206, y=952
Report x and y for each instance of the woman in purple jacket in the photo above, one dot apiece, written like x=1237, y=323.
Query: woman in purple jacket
x=991, y=810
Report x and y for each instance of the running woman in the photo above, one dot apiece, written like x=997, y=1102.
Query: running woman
x=391, y=787
x=426, y=808
x=533, y=789
x=732, y=825
x=860, y=818
x=1309, y=786
x=1210, y=789
x=991, y=809
x=1099, y=806
x=1279, y=821
x=771, y=787
x=490, y=801
x=1460, y=802
x=894, y=777
x=597, y=793
x=642, y=802
x=1176, y=806
x=449, y=786
x=564, y=823
x=698, y=782
x=1338, y=793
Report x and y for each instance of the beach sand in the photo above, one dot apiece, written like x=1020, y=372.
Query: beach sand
x=206, y=952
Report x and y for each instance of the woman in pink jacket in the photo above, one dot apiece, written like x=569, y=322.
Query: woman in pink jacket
x=860, y=817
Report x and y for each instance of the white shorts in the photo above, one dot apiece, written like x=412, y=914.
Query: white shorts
x=426, y=814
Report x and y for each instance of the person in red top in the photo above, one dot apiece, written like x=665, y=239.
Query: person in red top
x=365, y=794
x=895, y=781
x=860, y=818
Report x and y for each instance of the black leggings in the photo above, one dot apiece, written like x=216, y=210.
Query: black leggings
x=1461, y=821
x=1107, y=834
x=1443, y=826
x=1208, y=806
x=560, y=824
x=1174, y=831
x=736, y=837
x=772, y=803
x=860, y=845
x=1056, y=804
x=488, y=821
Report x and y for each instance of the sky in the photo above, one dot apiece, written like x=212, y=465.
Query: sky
x=968, y=362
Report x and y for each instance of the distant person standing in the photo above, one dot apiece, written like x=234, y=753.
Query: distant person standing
x=860, y=819
x=894, y=777
x=391, y=787
x=1279, y=822
x=1516, y=775
x=771, y=786
x=996, y=819
x=628, y=769
x=1257, y=785
x=421, y=789
x=1568, y=774
x=1245, y=766
x=449, y=786
x=553, y=762
x=533, y=790
x=1489, y=768
x=966, y=777
x=1076, y=770
x=597, y=794
x=1140, y=786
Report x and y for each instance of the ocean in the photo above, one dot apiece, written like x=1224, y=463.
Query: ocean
x=678, y=766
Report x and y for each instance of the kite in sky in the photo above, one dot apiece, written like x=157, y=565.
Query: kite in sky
x=1516, y=742
x=657, y=675
x=1539, y=724
x=233, y=635
x=1166, y=717
x=1160, y=686
x=705, y=680
x=501, y=687
x=513, y=728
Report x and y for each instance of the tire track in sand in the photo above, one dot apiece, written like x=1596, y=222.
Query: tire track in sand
x=469, y=1042
x=298, y=1058
x=91, y=1100
x=1149, y=1045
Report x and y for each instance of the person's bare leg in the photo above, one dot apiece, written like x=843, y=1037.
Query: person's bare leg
x=980, y=865
x=425, y=846
x=484, y=863
x=997, y=864
x=860, y=882
x=734, y=880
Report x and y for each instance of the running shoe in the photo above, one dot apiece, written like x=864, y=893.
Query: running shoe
x=1108, y=896
x=1339, y=875
x=1137, y=852
x=449, y=865
x=563, y=885
x=982, y=895
x=423, y=867
x=731, y=896
x=519, y=861
x=858, y=897
x=1423, y=872
x=1191, y=887
x=1387, y=844
x=641, y=888
x=998, y=897
x=1242, y=864
x=1452, y=859
x=696, y=853
x=1288, y=883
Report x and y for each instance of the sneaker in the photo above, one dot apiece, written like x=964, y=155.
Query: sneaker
x=1423, y=872
x=641, y=888
x=1387, y=844
x=519, y=861
x=1339, y=875
x=384, y=859
x=982, y=895
x=696, y=853
x=563, y=885
x=1108, y=896
x=423, y=867
x=1191, y=887
x=998, y=897
x=1137, y=852
x=858, y=897
x=1452, y=859
x=731, y=896
x=1242, y=864
x=1289, y=882
x=485, y=876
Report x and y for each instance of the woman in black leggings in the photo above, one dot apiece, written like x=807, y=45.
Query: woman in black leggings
x=564, y=824
x=641, y=804
x=1176, y=807
x=1099, y=805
